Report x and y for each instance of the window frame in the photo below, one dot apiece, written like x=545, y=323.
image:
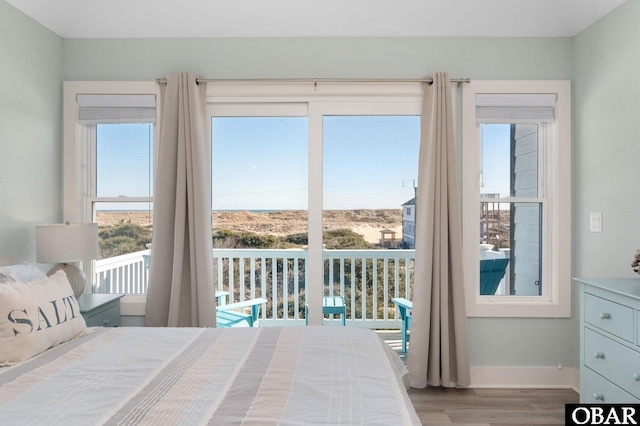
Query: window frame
x=555, y=142
x=229, y=99
x=78, y=157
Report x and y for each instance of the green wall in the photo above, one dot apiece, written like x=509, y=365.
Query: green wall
x=607, y=143
x=30, y=131
x=479, y=58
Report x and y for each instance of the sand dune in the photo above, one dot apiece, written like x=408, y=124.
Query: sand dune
x=367, y=222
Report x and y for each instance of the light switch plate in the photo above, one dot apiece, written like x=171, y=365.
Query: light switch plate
x=595, y=222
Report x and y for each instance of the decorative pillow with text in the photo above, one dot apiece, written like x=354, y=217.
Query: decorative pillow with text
x=36, y=316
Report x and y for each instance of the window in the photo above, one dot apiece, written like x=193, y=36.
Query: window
x=326, y=152
x=114, y=144
x=516, y=198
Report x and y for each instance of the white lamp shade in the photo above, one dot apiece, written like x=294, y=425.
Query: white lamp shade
x=63, y=243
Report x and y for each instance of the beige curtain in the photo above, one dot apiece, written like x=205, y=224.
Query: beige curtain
x=438, y=353
x=181, y=290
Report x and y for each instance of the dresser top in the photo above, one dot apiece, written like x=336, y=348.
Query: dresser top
x=629, y=287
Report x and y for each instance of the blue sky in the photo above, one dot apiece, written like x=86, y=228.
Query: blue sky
x=495, y=159
x=261, y=163
x=124, y=167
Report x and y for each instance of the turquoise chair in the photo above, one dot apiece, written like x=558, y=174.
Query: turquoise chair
x=491, y=273
x=331, y=305
x=234, y=314
x=404, y=306
x=230, y=314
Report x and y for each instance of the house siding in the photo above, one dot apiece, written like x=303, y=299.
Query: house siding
x=526, y=251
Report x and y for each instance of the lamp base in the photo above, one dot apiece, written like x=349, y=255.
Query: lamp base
x=76, y=277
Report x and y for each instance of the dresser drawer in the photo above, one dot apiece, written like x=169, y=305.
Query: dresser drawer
x=613, y=360
x=609, y=316
x=109, y=317
x=100, y=310
x=596, y=389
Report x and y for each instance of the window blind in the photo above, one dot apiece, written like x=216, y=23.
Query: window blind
x=496, y=108
x=111, y=109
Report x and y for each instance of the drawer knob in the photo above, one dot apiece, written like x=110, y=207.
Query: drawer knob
x=636, y=377
x=105, y=321
x=598, y=396
x=605, y=315
x=599, y=355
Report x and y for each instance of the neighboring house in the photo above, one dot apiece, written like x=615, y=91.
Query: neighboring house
x=526, y=228
x=409, y=224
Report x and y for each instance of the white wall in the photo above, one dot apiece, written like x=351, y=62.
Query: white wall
x=30, y=131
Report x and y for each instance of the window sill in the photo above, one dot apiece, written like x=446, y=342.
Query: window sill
x=133, y=305
x=518, y=307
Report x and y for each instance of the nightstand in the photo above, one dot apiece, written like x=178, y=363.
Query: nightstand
x=100, y=309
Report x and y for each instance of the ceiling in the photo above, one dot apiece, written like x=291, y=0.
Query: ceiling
x=315, y=18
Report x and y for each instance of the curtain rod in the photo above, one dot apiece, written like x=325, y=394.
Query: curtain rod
x=459, y=81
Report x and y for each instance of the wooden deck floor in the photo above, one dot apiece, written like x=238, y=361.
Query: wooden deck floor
x=439, y=406
x=392, y=337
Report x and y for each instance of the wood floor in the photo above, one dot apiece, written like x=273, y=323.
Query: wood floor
x=439, y=406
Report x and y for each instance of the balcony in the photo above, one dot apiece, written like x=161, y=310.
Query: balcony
x=367, y=279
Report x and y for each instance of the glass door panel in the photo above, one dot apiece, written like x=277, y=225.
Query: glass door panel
x=370, y=166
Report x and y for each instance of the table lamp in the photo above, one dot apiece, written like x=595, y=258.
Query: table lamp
x=65, y=243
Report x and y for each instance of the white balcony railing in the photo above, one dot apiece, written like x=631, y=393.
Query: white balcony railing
x=368, y=290
x=368, y=280
x=122, y=274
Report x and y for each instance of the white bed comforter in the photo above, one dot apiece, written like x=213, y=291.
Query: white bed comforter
x=189, y=376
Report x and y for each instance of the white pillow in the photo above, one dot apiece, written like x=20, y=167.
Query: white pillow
x=21, y=273
x=36, y=316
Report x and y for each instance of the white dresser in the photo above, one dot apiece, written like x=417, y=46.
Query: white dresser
x=609, y=340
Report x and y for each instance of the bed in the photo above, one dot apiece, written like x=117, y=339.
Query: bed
x=253, y=376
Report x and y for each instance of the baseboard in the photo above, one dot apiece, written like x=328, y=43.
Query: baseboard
x=526, y=377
